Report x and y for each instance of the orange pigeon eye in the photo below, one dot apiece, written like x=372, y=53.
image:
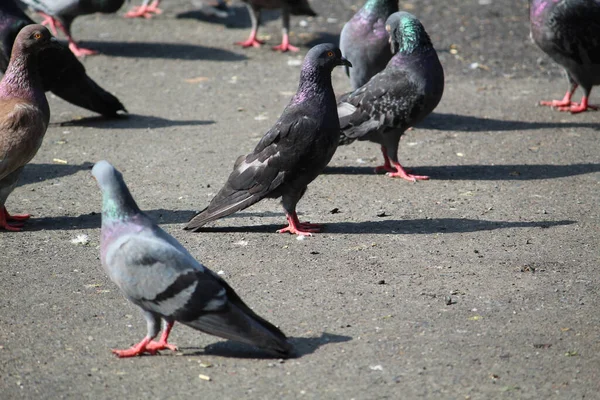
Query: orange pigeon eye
x=37, y=36
x=330, y=53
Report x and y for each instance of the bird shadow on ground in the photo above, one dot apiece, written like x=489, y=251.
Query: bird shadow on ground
x=407, y=226
x=93, y=220
x=41, y=172
x=132, y=121
x=302, y=346
x=517, y=172
x=180, y=51
x=468, y=123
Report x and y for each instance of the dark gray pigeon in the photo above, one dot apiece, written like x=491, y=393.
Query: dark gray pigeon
x=156, y=273
x=61, y=13
x=293, y=7
x=400, y=96
x=24, y=114
x=292, y=153
x=61, y=72
x=569, y=32
x=365, y=42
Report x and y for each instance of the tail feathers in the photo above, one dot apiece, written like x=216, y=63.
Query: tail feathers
x=237, y=324
x=88, y=94
x=222, y=205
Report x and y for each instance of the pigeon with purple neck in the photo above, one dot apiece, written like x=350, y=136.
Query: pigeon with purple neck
x=156, y=273
x=400, y=96
x=569, y=32
x=365, y=42
x=24, y=114
x=292, y=153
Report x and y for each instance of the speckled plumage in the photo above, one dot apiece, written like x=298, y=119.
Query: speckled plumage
x=401, y=95
x=569, y=32
x=61, y=72
x=364, y=40
x=293, y=152
x=156, y=273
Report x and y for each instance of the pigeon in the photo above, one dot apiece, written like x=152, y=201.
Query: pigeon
x=569, y=32
x=294, y=7
x=292, y=153
x=61, y=72
x=24, y=114
x=156, y=273
x=401, y=95
x=61, y=13
x=365, y=42
x=147, y=9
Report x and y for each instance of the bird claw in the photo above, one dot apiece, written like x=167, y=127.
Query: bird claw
x=575, y=108
x=15, y=226
x=284, y=47
x=556, y=103
x=384, y=168
x=302, y=229
x=409, y=177
x=144, y=11
x=250, y=43
x=160, y=345
x=80, y=51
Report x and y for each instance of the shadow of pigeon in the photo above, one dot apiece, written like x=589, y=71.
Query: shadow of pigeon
x=131, y=121
x=468, y=123
x=178, y=51
x=93, y=220
x=302, y=346
x=42, y=172
x=518, y=172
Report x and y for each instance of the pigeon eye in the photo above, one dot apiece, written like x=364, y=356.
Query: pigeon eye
x=37, y=36
x=330, y=54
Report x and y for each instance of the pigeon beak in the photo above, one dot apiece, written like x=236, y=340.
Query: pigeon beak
x=54, y=42
x=344, y=61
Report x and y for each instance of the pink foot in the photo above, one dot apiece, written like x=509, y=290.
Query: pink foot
x=576, y=108
x=385, y=168
x=300, y=228
x=556, y=103
x=136, y=350
x=144, y=11
x=51, y=22
x=251, y=42
x=284, y=47
x=402, y=173
x=80, y=51
x=155, y=346
x=14, y=227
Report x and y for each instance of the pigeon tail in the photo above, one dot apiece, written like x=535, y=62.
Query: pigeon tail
x=86, y=93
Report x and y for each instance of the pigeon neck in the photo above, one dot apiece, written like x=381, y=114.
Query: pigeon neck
x=413, y=39
x=538, y=7
x=22, y=78
x=314, y=81
x=118, y=204
x=381, y=7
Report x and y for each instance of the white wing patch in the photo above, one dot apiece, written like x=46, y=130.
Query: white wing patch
x=172, y=304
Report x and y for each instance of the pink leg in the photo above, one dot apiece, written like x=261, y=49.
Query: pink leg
x=14, y=227
x=162, y=343
x=387, y=166
x=575, y=108
x=145, y=11
x=401, y=173
x=300, y=228
x=50, y=21
x=136, y=350
x=252, y=41
x=565, y=102
x=285, y=45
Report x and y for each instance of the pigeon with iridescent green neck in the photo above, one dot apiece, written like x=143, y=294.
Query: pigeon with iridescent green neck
x=364, y=40
x=569, y=32
x=400, y=96
x=156, y=273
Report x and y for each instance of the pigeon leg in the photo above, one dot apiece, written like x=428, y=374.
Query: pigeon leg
x=80, y=51
x=136, y=350
x=285, y=41
x=5, y=217
x=50, y=21
x=391, y=151
x=145, y=10
x=252, y=41
x=300, y=228
x=162, y=344
x=387, y=166
x=566, y=101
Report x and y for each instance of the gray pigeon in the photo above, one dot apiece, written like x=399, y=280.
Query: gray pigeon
x=365, y=42
x=149, y=8
x=569, y=32
x=61, y=71
x=292, y=153
x=156, y=273
x=400, y=96
x=24, y=114
x=294, y=7
x=61, y=13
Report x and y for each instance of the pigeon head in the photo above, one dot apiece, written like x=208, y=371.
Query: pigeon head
x=407, y=34
x=33, y=38
x=324, y=56
x=117, y=202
